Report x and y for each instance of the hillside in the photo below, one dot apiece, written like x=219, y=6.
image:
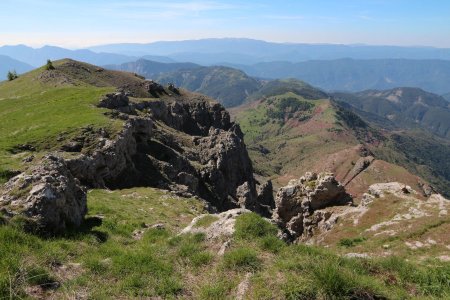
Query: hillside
x=406, y=107
x=356, y=74
x=151, y=69
x=227, y=85
x=113, y=186
x=327, y=135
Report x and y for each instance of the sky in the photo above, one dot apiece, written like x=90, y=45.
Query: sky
x=82, y=23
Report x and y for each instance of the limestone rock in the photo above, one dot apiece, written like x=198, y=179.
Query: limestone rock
x=399, y=189
x=114, y=101
x=360, y=165
x=223, y=227
x=300, y=206
x=265, y=200
x=47, y=195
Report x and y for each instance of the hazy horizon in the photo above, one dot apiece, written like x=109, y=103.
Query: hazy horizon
x=81, y=24
x=215, y=38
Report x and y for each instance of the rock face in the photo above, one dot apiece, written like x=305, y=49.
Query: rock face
x=300, y=204
x=47, y=195
x=111, y=158
x=187, y=146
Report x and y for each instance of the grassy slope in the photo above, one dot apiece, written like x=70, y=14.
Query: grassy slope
x=41, y=106
x=296, y=143
x=107, y=261
x=229, y=86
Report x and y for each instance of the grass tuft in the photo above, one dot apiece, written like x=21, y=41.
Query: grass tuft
x=242, y=259
x=251, y=225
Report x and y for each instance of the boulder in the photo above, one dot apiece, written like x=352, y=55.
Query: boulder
x=299, y=206
x=47, y=195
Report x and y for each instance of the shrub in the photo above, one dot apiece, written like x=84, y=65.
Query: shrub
x=251, y=225
x=242, y=258
x=12, y=75
x=351, y=242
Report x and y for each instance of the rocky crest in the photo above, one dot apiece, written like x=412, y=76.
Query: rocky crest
x=185, y=145
x=300, y=206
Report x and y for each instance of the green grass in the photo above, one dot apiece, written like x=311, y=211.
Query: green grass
x=250, y=226
x=39, y=118
x=242, y=259
x=113, y=264
x=205, y=221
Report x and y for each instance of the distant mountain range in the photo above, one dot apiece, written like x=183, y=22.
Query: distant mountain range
x=357, y=75
x=446, y=96
x=38, y=57
x=248, y=51
x=329, y=67
x=9, y=64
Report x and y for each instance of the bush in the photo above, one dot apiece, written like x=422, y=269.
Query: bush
x=12, y=75
x=242, y=258
x=251, y=225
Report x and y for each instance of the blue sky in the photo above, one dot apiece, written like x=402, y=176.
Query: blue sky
x=83, y=23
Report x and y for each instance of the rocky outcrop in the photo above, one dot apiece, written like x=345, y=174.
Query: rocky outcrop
x=379, y=190
x=185, y=143
x=112, y=157
x=221, y=225
x=47, y=195
x=300, y=205
x=360, y=165
x=114, y=101
x=265, y=198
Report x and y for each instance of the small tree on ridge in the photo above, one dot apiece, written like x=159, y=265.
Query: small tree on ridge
x=12, y=75
x=49, y=65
